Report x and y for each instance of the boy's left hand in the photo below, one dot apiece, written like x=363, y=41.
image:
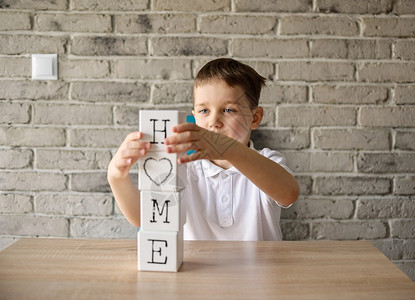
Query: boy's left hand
x=206, y=144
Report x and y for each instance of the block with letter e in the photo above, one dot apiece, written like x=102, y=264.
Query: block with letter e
x=160, y=250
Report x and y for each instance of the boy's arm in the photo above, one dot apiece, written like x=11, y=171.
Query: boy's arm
x=268, y=175
x=127, y=197
x=124, y=190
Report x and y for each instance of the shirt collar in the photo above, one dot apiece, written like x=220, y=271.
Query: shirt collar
x=210, y=169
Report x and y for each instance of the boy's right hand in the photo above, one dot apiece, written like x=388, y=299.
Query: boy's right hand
x=131, y=149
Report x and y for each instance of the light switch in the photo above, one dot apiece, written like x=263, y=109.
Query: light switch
x=44, y=66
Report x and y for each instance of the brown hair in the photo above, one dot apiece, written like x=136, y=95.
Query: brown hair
x=234, y=73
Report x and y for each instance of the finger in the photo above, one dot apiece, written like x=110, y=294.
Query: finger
x=138, y=145
x=185, y=127
x=136, y=135
x=132, y=154
x=122, y=163
x=194, y=156
x=183, y=137
x=181, y=148
x=183, y=159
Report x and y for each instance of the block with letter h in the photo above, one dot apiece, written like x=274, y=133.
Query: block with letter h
x=161, y=183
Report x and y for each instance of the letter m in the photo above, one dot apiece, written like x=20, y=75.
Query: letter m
x=160, y=213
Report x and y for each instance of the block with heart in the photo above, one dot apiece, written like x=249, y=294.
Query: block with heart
x=161, y=211
x=159, y=171
x=160, y=250
x=156, y=125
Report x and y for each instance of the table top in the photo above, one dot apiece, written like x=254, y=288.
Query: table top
x=107, y=269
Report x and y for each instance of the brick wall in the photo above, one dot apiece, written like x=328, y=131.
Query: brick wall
x=339, y=104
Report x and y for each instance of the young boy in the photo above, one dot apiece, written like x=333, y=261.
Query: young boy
x=233, y=192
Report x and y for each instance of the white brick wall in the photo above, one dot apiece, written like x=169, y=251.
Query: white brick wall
x=339, y=105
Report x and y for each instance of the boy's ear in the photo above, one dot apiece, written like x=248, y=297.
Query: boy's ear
x=258, y=114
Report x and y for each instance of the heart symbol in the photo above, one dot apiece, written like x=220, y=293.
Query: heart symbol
x=152, y=166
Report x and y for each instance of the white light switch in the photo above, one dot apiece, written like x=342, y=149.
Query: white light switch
x=44, y=66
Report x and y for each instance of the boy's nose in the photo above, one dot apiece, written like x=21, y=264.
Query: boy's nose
x=215, y=122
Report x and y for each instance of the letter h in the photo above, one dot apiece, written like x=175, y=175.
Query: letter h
x=162, y=131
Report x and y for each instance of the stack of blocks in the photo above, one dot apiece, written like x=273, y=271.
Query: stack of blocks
x=161, y=183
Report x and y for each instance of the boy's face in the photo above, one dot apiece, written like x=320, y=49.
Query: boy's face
x=224, y=109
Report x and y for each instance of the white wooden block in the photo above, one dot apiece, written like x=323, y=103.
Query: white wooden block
x=156, y=125
x=159, y=171
x=161, y=211
x=160, y=250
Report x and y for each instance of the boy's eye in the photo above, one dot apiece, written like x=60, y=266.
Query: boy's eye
x=203, y=111
x=229, y=110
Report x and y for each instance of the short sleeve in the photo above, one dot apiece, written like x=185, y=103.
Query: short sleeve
x=275, y=156
x=279, y=159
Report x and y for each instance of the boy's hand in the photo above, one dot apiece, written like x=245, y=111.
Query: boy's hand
x=206, y=144
x=129, y=152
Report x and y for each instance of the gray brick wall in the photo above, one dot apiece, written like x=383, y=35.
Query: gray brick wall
x=339, y=104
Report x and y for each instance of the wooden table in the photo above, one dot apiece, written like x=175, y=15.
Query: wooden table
x=107, y=269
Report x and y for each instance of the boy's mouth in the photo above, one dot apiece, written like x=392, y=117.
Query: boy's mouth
x=220, y=131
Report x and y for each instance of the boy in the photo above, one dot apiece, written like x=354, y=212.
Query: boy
x=233, y=192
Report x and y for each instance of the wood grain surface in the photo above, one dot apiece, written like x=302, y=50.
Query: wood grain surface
x=107, y=269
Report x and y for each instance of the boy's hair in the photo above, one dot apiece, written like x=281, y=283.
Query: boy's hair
x=234, y=73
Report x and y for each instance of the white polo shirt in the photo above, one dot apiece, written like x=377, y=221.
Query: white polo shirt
x=225, y=205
